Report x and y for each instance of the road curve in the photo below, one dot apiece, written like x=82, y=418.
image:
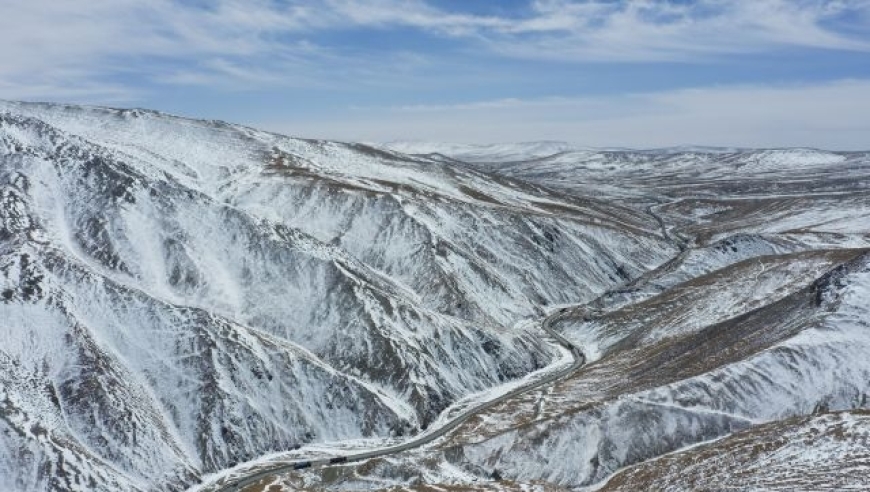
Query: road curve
x=576, y=353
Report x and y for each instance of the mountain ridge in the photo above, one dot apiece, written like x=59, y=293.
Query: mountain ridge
x=120, y=213
x=181, y=297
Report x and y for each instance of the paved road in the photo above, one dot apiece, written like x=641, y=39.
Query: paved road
x=579, y=360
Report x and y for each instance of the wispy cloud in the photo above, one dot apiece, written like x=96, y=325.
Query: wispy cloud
x=96, y=42
x=632, y=30
x=92, y=45
x=644, y=31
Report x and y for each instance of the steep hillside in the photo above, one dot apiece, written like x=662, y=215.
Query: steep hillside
x=826, y=451
x=661, y=388
x=757, y=324
x=179, y=296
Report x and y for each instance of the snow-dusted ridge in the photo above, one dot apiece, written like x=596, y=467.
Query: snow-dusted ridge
x=760, y=318
x=263, y=470
x=190, y=295
x=181, y=296
x=504, y=152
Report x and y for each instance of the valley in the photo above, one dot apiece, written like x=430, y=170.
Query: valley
x=197, y=305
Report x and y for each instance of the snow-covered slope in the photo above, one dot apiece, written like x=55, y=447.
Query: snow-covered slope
x=662, y=389
x=827, y=451
x=692, y=173
x=178, y=296
x=757, y=324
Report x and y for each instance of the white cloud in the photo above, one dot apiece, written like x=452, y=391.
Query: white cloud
x=72, y=46
x=76, y=46
x=831, y=115
x=647, y=30
x=631, y=30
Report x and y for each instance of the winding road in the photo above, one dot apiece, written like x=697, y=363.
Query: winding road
x=421, y=440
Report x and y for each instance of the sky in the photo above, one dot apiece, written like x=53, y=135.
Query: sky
x=598, y=73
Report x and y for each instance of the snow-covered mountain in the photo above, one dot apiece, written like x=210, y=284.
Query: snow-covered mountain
x=691, y=173
x=178, y=297
x=741, y=360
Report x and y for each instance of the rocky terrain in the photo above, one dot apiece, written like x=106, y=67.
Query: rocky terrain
x=825, y=451
x=181, y=297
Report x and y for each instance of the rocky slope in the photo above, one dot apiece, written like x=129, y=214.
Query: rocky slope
x=826, y=451
x=179, y=296
x=757, y=330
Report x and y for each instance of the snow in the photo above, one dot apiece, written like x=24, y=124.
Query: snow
x=180, y=297
x=239, y=313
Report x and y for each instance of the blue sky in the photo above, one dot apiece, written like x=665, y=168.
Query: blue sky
x=645, y=73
